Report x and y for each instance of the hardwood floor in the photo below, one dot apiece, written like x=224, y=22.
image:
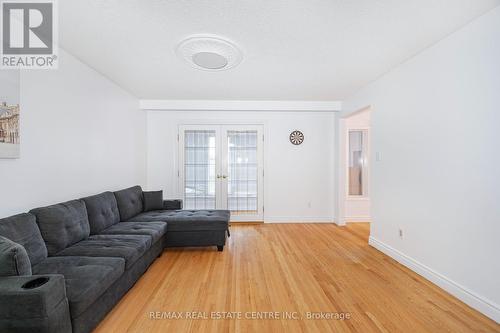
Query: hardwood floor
x=292, y=269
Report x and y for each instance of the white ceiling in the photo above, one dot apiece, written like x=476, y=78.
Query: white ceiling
x=293, y=49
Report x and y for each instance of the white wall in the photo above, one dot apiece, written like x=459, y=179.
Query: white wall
x=435, y=122
x=299, y=180
x=9, y=86
x=80, y=134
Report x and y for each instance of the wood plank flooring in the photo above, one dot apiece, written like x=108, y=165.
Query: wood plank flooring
x=292, y=269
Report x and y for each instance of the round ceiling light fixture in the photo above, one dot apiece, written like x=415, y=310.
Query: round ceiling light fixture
x=209, y=53
x=209, y=60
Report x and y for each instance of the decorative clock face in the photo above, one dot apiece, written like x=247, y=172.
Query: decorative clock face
x=296, y=137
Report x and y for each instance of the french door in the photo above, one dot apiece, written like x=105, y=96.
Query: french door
x=221, y=167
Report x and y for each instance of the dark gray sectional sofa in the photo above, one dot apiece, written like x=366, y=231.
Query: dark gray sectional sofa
x=64, y=267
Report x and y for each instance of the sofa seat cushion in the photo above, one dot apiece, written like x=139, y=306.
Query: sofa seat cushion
x=86, y=278
x=188, y=220
x=22, y=229
x=153, y=229
x=102, y=211
x=63, y=224
x=128, y=247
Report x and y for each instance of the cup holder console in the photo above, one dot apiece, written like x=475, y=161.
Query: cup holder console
x=35, y=283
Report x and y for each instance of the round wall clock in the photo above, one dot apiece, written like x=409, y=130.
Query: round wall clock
x=296, y=137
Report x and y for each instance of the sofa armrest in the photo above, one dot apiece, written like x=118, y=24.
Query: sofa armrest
x=172, y=204
x=34, y=303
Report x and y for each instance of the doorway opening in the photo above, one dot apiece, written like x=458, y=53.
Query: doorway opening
x=354, y=198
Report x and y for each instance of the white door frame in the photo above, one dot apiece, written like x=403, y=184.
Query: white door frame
x=343, y=172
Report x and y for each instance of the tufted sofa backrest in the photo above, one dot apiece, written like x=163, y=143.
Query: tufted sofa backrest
x=62, y=225
x=102, y=211
x=129, y=202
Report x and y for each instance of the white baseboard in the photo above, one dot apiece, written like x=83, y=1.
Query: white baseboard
x=295, y=219
x=481, y=304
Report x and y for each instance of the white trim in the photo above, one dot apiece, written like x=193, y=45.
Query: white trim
x=354, y=219
x=233, y=105
x=298, y=219
x=218, y=122
x=481, y=304
x=357, y=198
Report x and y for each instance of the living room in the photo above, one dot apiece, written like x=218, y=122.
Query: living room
x=275, y=166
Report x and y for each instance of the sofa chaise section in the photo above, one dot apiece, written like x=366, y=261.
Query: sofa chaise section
x=191, y=227
x=185, y=227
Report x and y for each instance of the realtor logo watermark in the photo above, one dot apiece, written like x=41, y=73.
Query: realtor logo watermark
x=29, y=34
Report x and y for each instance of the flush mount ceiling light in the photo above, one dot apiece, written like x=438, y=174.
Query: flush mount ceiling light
x=209, y=53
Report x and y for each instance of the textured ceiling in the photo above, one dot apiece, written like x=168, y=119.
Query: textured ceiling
x=293, y=49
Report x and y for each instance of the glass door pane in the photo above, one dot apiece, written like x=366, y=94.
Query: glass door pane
x=242, y=177
x=199, y=169
x=356, y=161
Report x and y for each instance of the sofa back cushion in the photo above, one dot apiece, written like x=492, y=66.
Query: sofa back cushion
x=14, y=260
x=22, y=229
x=102, y=211
x=129, y=202
x=63, y=224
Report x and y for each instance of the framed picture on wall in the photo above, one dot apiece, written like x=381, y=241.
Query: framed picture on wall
x=9, y=114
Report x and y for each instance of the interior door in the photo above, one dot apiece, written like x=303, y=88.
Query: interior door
x=221, y=167
x=242, y=168
x=199, y=166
